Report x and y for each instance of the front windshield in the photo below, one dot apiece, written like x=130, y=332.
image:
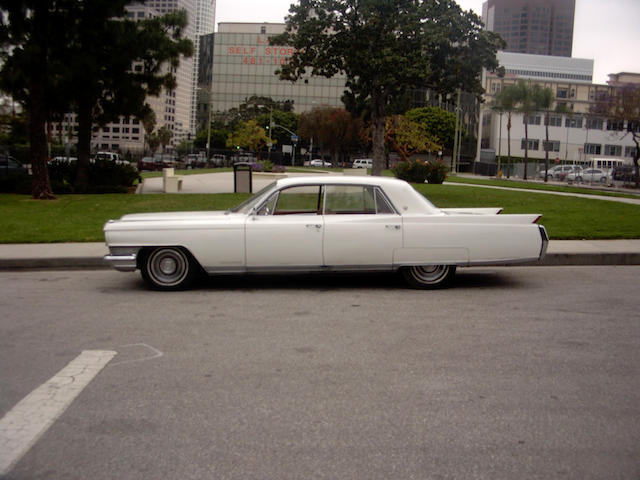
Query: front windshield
x=248, y=204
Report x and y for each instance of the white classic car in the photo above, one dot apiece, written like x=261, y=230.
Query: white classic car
x=323, y=223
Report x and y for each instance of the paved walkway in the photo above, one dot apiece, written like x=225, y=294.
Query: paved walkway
x=89, y=255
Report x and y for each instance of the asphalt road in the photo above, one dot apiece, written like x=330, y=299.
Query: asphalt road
x=527, y=373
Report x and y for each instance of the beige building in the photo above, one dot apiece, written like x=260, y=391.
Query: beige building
x=573, y=137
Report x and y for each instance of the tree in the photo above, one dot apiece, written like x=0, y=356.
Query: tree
x=287, y=120
x=164, y=137
x=544, y=101
x=31, y=36
x=386, y=48
x=440, y=124
x=115, y=63
x=248, y=135
x=505, y=102
x=332, y=130
x=623, y=105
x=407, y=137
x=530, y=99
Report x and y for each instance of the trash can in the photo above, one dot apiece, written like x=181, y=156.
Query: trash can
x=242, y=181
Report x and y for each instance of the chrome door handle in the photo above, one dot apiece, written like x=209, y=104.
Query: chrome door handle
x=393, y=227
x=313, y=225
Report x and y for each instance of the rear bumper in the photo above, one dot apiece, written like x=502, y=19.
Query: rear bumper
x=545, y=241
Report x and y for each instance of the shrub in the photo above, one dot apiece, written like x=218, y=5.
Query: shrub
x=417, y=171
x=412, y=171
x=437, y=172
x=104, y=177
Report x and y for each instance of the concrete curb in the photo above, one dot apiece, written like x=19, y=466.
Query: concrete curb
x=97, y=263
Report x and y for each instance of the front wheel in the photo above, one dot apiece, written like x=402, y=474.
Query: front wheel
x=168, y=268
x=428, y=276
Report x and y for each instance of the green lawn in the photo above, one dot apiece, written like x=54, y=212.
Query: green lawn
x=79, y=218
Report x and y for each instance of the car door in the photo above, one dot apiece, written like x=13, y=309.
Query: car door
x=361, y=228
x=286, y=232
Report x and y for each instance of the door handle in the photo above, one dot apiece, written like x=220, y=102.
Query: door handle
x=313, y=225
x=393, y=227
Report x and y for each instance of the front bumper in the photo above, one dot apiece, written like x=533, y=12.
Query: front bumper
x=123, y=259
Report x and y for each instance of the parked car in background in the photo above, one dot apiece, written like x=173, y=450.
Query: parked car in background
x=559, y=172
x=318, y=162
x=323, y=224
x=63, y=160
x=195, y=161
x=150, y=163
x=10, y=166
x=362, y=163
x=218, y=160
x=590, y=175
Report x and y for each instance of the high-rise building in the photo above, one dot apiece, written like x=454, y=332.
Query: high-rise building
x=538, y=27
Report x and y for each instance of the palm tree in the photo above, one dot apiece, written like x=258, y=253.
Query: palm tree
x=543, y=99
x=505, y=102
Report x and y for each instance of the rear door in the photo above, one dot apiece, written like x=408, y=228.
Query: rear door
x=361, y=229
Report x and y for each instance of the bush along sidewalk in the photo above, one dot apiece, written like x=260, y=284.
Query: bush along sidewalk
x=418, y=171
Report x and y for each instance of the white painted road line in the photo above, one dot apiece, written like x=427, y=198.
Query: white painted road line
x=25, y=423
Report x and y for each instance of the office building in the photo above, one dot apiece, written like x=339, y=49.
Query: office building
x=574, y=135
x=244, y=64
x=538, y=27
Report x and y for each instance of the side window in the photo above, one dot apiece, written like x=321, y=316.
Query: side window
x=351, y=199
x=297, y=200
x=269, y=206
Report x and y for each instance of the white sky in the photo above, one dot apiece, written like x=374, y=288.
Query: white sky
x=606, y=31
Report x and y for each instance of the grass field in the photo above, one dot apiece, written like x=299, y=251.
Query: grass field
x=79, y=218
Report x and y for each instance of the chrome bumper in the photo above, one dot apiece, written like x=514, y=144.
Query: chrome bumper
x=545, y=242
x=122, y=259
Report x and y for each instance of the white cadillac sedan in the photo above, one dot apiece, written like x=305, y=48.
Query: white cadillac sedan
x=323, y=223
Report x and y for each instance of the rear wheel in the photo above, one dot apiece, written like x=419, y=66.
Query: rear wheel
x=429, y=276
x=168, y=268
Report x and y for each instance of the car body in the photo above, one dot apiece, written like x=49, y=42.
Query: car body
x=63, y=160
x=323, y=223
x=10, y=166
x=318, y=162
x=590, y=175
x=150, y=163
x=362, y=163
x=559, y=172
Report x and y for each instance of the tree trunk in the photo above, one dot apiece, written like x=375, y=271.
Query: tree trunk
x=546, y=147
x=84, y=143
x=41, y=184
x=378, y=126
x=509, y=144
x=526, y=146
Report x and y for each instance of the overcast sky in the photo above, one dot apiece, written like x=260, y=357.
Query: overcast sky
x=606, y=31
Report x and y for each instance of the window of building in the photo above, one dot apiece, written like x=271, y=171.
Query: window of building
x=533, y=144
x=615, y=125
x=629, y=151
x=613, y=150
x=116, y=130
x=562, y=93
x=594, y=123
x=573, y=122
x=532, y=119
x=552, y=146
x=555, y=120
x=592, y=148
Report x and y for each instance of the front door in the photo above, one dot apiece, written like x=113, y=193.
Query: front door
x=287, y=232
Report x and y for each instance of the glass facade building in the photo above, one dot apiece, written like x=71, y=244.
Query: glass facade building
x=244, y=64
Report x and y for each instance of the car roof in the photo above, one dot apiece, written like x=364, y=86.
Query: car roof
x=404, y=197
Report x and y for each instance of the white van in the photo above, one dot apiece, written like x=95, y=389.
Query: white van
x=362, y=163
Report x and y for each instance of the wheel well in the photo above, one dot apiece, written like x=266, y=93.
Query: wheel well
x=145, y=251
